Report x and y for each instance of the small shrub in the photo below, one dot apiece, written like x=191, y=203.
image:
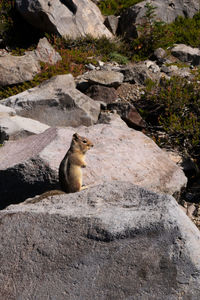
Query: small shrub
x=174, y=106
x=119, y=58
x=115, y=7
x=186, y=30
x=152, y=35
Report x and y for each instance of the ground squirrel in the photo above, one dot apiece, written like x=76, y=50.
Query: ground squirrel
x=70, y=173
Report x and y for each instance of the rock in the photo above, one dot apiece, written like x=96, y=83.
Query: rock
x=67, y=18
x=107, y=78
x=56, y=102
x=128, y=113
x=6, y=111
x=140, y=72
x=15, y=127
x=174, y=70
x=111, y=22
x=187, y=54
x=30, y=165
x=45, y=52
x=90, y=66
x=102, y=93
x=166, y=11
x=113, y=241
x=17, y=69
x=160, y=55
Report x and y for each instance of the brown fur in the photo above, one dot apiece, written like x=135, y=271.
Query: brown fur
x=70, y=173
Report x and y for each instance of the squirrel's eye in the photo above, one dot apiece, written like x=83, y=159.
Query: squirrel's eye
x=84, y=141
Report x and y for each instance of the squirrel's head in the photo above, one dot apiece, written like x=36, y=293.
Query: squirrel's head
x=82, y=143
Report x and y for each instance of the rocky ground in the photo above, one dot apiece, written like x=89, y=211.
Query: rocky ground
x=128, y=221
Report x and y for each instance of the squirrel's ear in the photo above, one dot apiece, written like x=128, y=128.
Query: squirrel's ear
x=75, y=136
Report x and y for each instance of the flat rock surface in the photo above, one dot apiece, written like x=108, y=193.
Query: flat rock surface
x=113, y=241
x=15, y=127
x=107, y=78
x=119, y=153
x=56, y=102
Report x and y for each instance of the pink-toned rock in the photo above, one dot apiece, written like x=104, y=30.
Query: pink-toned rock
x=102, y=93
x=128, y=113
x=30, y=166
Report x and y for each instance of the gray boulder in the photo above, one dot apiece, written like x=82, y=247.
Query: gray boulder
x=166, y=11
x=113, y=241
x=140, y=72
x=174, y=70
x=67, y=18
x=107, y=78
x=17, y=69
x=56, y=102
x=30, y=166
x=187, y=54
x=15, y=127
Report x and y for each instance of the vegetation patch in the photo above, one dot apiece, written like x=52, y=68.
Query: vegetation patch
x=174, y=108
x=115, y=7
x=76, y=54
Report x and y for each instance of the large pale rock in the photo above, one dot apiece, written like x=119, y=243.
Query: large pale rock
x=17, y=69
x=15, y=127
x=113, y=241
x=107, y=78
x=187, y=54
x=166, y=11
x=30, y=166
x=67, y=18
x=56, y=102
x=6, y=111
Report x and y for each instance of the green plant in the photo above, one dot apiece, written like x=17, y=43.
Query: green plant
x=119, y=58
x=151, y=35
x=115, y=7
x=186, y=30
x=174, y=106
